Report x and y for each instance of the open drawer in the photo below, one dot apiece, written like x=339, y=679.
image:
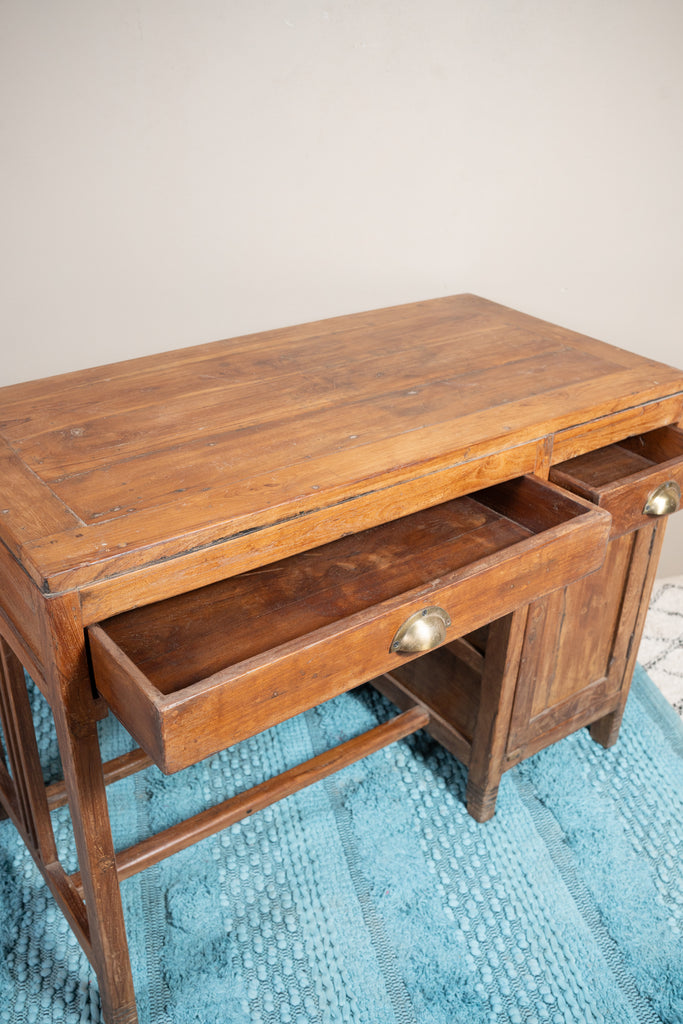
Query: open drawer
x=196, y=673
x=635, y=480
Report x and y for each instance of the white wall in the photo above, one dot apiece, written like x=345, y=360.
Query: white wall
x=181, y=170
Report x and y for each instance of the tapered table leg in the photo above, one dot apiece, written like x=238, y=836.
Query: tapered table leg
x=76, y=714
x=499, y=678
x=636, y=601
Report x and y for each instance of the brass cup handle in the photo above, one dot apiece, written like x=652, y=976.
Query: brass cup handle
x=664, y=500
x=421, y=632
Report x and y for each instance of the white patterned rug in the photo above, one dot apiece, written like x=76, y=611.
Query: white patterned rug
x=661, y=649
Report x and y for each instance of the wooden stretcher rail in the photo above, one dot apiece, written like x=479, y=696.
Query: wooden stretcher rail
x=69, y=897
x=118, y=768
x=186, y=833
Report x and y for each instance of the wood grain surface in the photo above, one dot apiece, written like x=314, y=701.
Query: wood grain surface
x=123, y=467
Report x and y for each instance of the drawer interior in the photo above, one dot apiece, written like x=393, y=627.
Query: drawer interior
x=448, y=682
x=621, y=477
x=631, y=459
x=604, y=466
x=187, y=638
x=196, y=673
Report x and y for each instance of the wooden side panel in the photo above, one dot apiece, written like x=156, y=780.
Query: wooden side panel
x=579, y=647
x=445, y=685
x=657, y=445
x=130, y=695
x=593, y=605
x=646, y=551
x=22, y=749
x=20, y=616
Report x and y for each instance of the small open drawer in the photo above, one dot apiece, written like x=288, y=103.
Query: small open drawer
x=196, y=673
x=635, y=480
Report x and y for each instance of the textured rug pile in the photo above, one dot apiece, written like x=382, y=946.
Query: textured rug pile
x=661, y=649
x=373, y=898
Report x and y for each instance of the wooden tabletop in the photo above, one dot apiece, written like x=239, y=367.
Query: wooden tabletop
x=270, y=443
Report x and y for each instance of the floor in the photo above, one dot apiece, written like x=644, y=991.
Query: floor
x=661, y=649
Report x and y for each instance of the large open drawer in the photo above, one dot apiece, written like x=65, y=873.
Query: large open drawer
x=196, y=673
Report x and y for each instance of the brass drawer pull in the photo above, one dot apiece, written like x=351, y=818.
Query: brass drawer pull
x=664, y=500
x=422, y=631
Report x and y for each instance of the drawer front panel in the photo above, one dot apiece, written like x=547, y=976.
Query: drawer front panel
x=623, y=477
x=561, y=540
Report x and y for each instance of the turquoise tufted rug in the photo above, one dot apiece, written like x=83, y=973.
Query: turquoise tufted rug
x=373, y=898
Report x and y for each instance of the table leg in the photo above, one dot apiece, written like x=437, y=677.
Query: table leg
x=76, y=713
x=499, y=678
x=636, y=602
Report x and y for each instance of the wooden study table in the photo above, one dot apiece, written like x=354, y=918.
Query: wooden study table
x=456, y=501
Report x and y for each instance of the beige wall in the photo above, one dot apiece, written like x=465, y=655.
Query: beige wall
x=181, y=170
